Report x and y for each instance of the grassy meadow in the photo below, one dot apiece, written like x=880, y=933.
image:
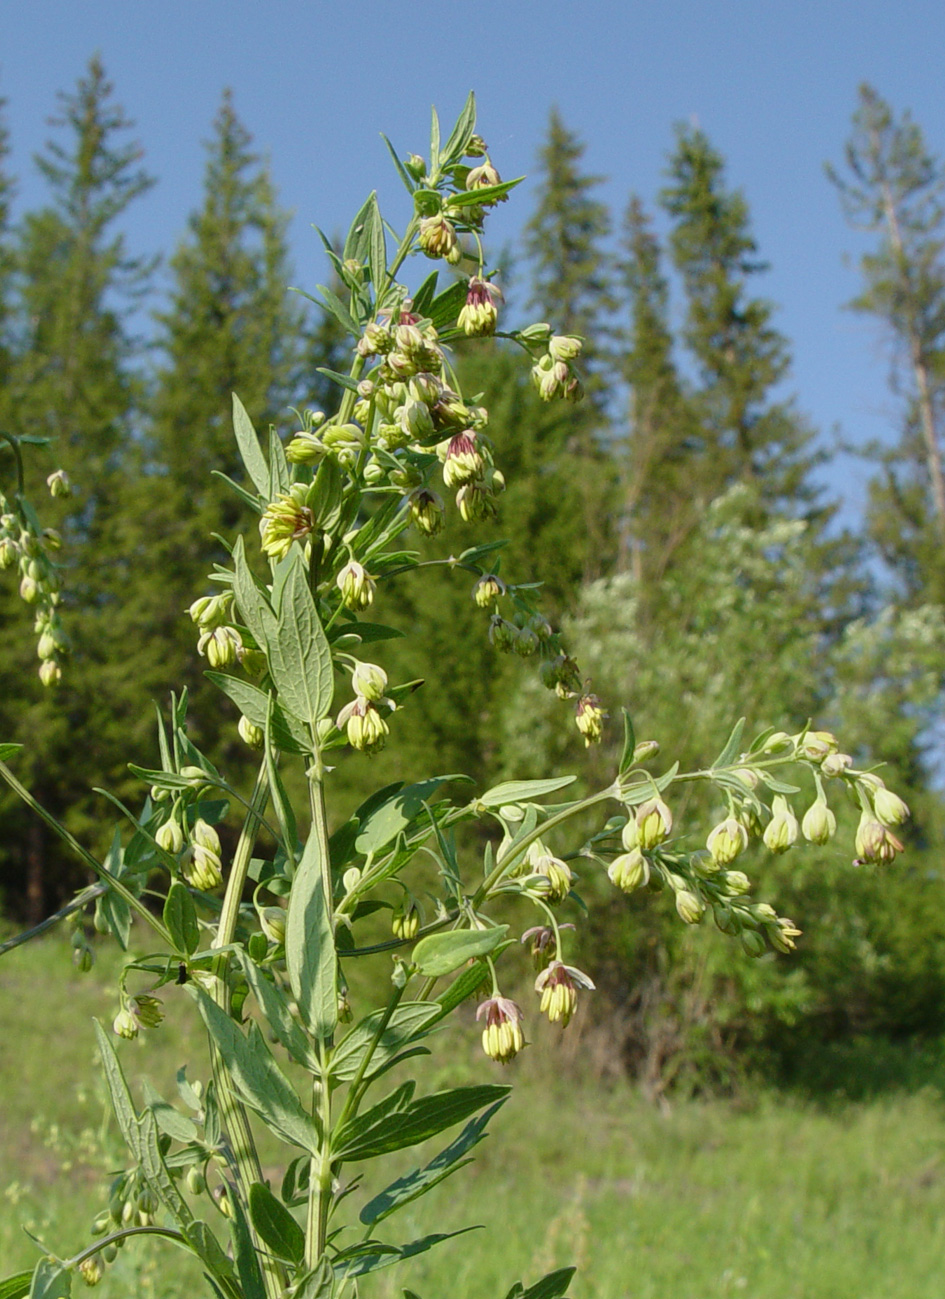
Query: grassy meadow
x=767, y=1196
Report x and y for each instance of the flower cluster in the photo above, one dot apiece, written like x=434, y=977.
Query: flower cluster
x=703, y=881
x=29, y=547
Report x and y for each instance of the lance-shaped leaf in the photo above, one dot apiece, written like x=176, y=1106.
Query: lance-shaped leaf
x=121, y=1100
x=299, y=655
x=275, y=1224
x=520, y=791
x=732, y=746
x=310, y=944
x=279, y=473
x=373, y=1255
x=412, y=1185
x=460, y=135
x=249, y=599
x=553, y=1286
x=288, y=733
x=9, y=751
x=244, y=1254
x=257, y=1077
x=421, y=1119
x=169, y=1119
x=275, y=1008
x=180, y=917
x=318, y=1284
x=439, y=954
x=16, y=1287
x=383, y=823
x=406, y=1024
x=250, y=451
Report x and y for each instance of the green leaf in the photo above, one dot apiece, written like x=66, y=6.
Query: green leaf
x=15, y=1287
x=425, y=294
x=475, y=553
x=333, y=304
x=357, y=1129
x=9, y=750
x=180, y=917
x=406, y=1025
x=629, y=743
x=289, y=733
x=446, y=306
x=422, y=1119
x=401, y=169
x=412, y=1185
x=370, y=1257
x=462, y=987
x=553, y=1286
x=385, y=822
x=732, y=746
x=250, y=601
x=122, y=1104
x=158, y=1174
x=279, y=473
x=244, y=1254
x=363, y=633
x=299, y=655
x=210, y=1252
x=523, y=791
x=310, y=945
x=342, y=380
x=357, y=242
x=259, y=1080
x=460, y=135
x=51, y=1280
x=439, y=954
x=318, y=1284
x=275, y=1008
x=377, y=252
x=474, y=197
x=169, y=1120
x=249, y=448
x=326, y=497
x=275, y=1224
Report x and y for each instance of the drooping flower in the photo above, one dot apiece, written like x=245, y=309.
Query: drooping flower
x=559, y=985
x=502, y=1037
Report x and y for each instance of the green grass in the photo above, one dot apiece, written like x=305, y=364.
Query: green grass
x=769, y=1197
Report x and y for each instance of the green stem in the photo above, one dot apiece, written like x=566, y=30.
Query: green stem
x=15, y=447
x=113, y=883
x=78, y=902
x=90, y=1251
x=503, y=866
x=355, y=1091
x=320, y=1194
x=235, y=1119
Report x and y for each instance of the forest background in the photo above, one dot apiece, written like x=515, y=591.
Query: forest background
x=686, y=525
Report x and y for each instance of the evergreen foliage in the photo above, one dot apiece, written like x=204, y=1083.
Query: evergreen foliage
x=73, y=380
x=893, y=187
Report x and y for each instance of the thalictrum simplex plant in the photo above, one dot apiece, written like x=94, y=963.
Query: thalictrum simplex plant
x=264, y=943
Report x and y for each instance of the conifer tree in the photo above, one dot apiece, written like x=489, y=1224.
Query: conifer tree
x=564, y=243
x=748, y=434
x=893, y=187
x=656, y=497
x=72, y=379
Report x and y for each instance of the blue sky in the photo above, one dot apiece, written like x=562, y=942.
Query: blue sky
x=773, y=83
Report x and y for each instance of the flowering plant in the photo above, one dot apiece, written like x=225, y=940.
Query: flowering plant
x=286, y=636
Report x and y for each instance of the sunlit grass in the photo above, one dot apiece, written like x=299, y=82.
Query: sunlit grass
x=768, y=1197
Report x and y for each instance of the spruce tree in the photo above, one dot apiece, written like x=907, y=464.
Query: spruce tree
x=565, y=246
x=748, y=434
x=894, y=188
x=73, y=380
x=657, y=506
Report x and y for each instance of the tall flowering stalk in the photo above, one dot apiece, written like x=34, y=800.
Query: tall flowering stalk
x=289, y=639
